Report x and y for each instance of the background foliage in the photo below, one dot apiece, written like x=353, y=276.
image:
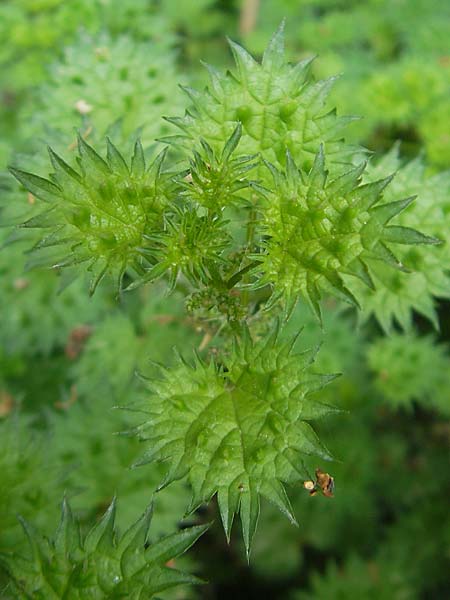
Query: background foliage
x=110, y=67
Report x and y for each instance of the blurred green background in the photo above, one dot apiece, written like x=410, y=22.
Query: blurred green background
x=113, y=67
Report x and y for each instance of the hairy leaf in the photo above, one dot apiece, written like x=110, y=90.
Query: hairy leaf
x=239, y=429
x=398, y=294
x=100, y=564
x=278, y=105
x=317, y=231
x=100, y=216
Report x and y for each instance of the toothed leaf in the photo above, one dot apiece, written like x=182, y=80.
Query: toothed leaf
x=397, y=293
x=318, y=232
x=107, y=212
x=229, y=427
x=277, y=104
x=102, y=565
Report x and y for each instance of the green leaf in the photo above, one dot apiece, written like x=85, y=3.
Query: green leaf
x=424, y=222
x=106, y=215
x=107, y=565
x=244, y=60
x=273, y=57
x=316, y=232
x=60, y=165
x=101, y=535
x=405, y=235
x=369, y=194
x=278, y=104
x=228, y=427
x=232, y=143
x=138, y=160
x=67, y=536
x=249, y=513
x=115, y=159
x=386, y=212
x=174, y=545
x=40, y=187
x=318, y=174
x=91, y=161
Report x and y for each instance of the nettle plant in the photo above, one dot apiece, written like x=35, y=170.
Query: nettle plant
x=257, y=205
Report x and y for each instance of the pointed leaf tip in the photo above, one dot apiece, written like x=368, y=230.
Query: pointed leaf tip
x=243, y=59
x=405, y=235
x=87, y=153
x=39, y=186
x=60, y=165
x=102, y=534
x=232, y=142
x=318, y=173
x=386, y=212
x=273, y=56
x=115, y=158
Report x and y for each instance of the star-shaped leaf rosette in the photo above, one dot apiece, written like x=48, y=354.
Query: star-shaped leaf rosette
x=100, y=565
x=101, y=215
x=239, y=429
x=279, y=105
x=398, y=294
x=317, y=230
